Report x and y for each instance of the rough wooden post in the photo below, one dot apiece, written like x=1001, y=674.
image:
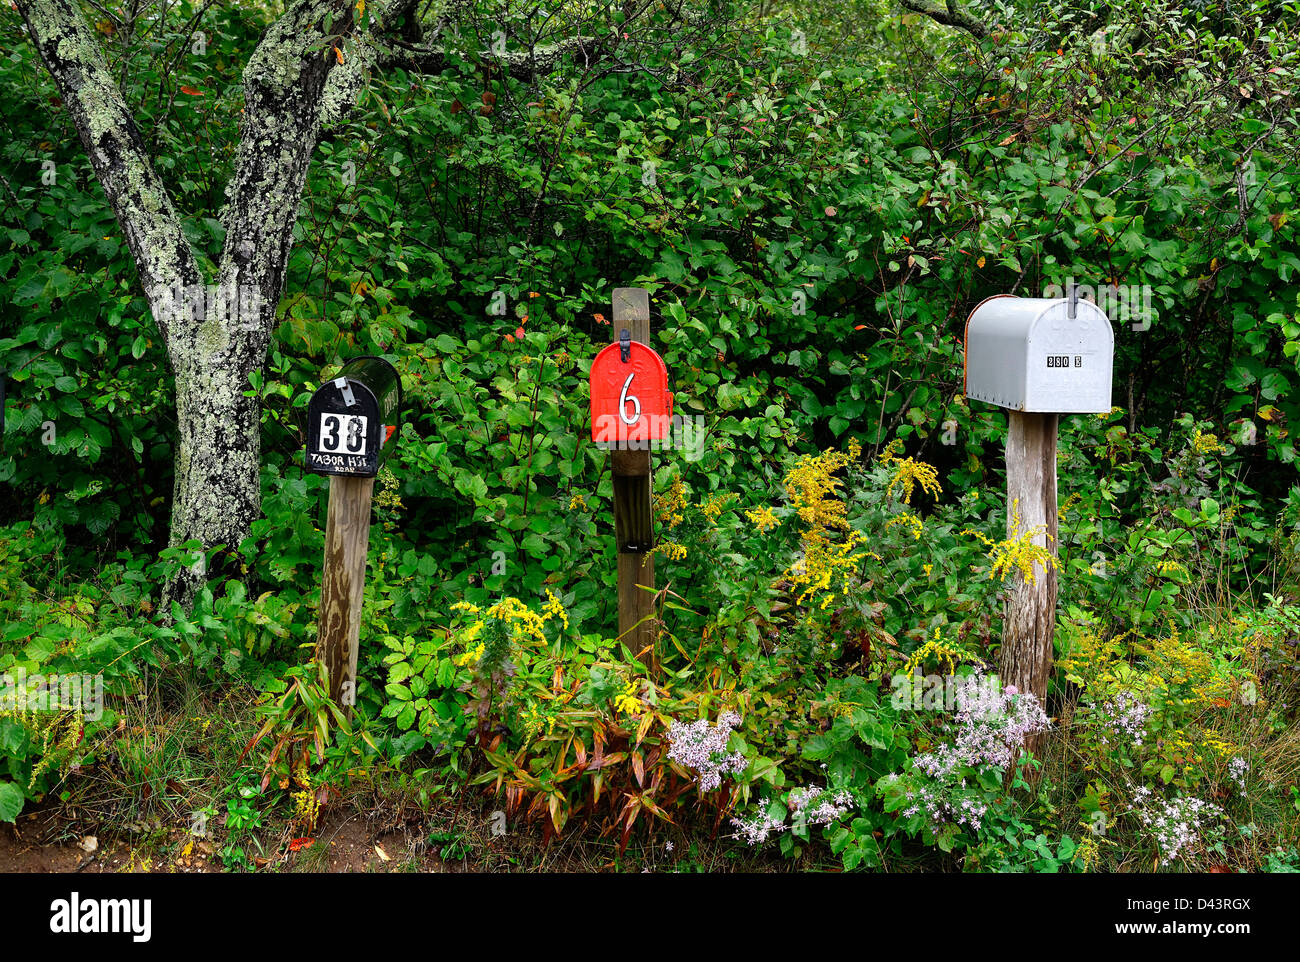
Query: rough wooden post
x=1026, y=656
x=347, y=539
x=633, y=525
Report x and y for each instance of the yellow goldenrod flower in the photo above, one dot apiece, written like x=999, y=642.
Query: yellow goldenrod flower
x=908, y=473
x=1018, y=552
x=1205, y=443
x=305, y=810
x=627, y=702
x=763, y=519
x=670, y=550
x=553, y=609
x=812, y=489
x=911, y=520
x=1088, y=852
x=523, y=623
x=947, y=657
x=826, y=566
x=471, y=657
x=389, y=495
x=670, y=507
x=1066, y=505
x=711, y=507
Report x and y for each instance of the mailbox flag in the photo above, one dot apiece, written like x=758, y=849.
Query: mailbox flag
x=630, y=400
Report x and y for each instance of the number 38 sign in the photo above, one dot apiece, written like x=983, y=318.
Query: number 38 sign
x=630, y=400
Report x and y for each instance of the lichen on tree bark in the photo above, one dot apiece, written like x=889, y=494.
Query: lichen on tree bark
x=216, y=334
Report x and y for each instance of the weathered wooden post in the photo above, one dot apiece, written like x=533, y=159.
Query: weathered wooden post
x=1039, y=358
x=1030, y=622
x=343, y=584
x=630, y=407
x=350, y=420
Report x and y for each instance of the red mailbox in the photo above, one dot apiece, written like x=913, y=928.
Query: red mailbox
x=630, y=400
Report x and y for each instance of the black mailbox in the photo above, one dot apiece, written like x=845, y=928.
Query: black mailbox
x=351, y=418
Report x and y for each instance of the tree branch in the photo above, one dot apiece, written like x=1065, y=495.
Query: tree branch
x=950, y=14
x=284, y=94
x=523, y=65
x=538, y=61
x=137, y=195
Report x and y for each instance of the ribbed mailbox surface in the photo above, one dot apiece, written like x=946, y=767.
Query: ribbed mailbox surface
x=1028, y=354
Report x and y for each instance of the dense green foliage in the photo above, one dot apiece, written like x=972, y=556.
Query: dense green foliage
x=815, y=211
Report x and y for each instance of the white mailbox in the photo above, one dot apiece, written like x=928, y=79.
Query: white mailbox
x=1029, y=354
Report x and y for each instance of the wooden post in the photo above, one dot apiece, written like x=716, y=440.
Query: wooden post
x=633, y=525
x=1026, y=656
x=347, y=539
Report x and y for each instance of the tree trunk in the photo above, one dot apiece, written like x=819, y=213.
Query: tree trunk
x=216, y=333
x=216, y=493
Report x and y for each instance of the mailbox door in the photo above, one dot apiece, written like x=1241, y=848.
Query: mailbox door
x=344, y=429
x=629, y=399
x=995, y=343
x=1069, y=360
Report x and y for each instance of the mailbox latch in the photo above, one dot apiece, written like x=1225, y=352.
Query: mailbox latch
x=625, y=345
x=346, y=390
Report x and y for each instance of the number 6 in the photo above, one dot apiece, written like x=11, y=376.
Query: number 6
x=623, y=398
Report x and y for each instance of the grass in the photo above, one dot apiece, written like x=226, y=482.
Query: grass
x=164, y=780
x=169, y=783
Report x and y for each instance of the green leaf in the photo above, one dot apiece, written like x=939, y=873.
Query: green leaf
x=11, y=801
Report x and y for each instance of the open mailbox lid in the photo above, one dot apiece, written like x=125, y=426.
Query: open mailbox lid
x=1029, y=354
